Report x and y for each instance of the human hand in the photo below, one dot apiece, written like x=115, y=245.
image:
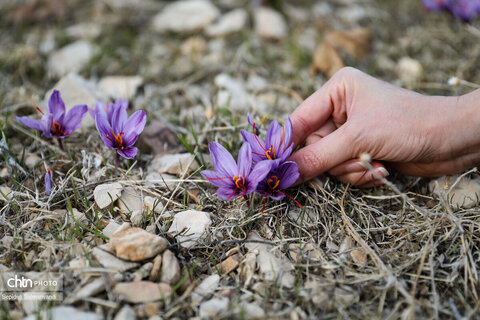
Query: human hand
x=354, y=113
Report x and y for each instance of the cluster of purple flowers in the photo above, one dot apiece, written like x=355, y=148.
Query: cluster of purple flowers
x=464, y=9
x=261, y=165
x=117, y=131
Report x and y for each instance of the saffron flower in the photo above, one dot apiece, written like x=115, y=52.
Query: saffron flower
x=463, y=9
x=48, y=183
x=117, y=130
x=279, y=178
x=55, y=123
x=275, y=147
x=109, y=107
x=232, y=178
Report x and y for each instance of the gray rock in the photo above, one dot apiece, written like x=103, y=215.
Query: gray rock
x=65, y=312
x=185, y=16
x=141, y=291
x=84, y=30
x=105, y=194
x=205, y=288
x=269, y=24
x=192, y=224
x=110, y=229
x=170, y=268
x=109, y=260
x=465, y=194
x=126, y=313
x=230, y=22
x=71, y=58
x=213, y=308
x=272, y=266
x=120, y=86
x=131, y=202
x=176, y=163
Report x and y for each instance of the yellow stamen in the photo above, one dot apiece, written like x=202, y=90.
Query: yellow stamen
x=263, y=119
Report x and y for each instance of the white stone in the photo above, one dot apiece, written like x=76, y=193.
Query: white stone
x=32, y=160
x=5, y=193
x=141, y=291
x=465, y=194
x=252, y=311
x=109, y=261
x=120, y=86
x=205, y=288
x=409, y=70
x=192, y=224
x=272, y=266
x=152, y=204
x=71, y=58
x=161, y=180
x=105, y=194
x=230, y=22
x=269, y=24
x=75, y=90
x=176, y=163
x=90, y=289
x=136, y=244
x=232, y=93
x=213, y=308
x=170, y=268
x=185, y=16
x=84, y=30
x=110, y=229
x=131, y=203
x=65, y=312
x=126, y=313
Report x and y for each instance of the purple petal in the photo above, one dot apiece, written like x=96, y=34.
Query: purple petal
x=119, y=119
x=32, y=123
x=222, y=160
x=136, y=122
x=434, y=4
x=250, y=121
x=48, y=183
x=287, y=137
x=274, y=136
x=100, y=107
x=277, y=196
x=56, y=106
x=217, y=179
x=128, y=153
x=284, y=154
x=226, y=193
x=257, y=145
x=288, y=174
x=103, y=127
x=129, y=140
x=245, y=160
x=74, y=118
x=91, y=112
x=259, y=172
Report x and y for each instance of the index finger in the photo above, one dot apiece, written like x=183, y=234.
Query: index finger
x=311, y=114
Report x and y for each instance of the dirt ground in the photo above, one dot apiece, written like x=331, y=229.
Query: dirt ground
x=396, y=251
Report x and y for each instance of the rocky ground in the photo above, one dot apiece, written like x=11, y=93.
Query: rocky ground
x=153, y=240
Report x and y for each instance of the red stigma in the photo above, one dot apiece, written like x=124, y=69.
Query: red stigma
x=117, y=138
x=39, y=110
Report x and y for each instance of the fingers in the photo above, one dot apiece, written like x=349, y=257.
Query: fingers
x=317, y=109
x=323, y=155
x=364, y=178
x=327, y=128
x=353, y=165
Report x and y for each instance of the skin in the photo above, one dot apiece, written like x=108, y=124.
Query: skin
x=414, y=134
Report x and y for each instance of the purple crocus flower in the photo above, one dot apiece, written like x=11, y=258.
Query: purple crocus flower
x=55, y=123
x=434, y=4
x=279, y=178
x=48, y=183
x=232, y=178
x=117, y=130
x=464, y=9
x=275, y=146
x=109, y=107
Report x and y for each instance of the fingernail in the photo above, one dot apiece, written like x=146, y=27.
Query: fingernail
x=383, y=172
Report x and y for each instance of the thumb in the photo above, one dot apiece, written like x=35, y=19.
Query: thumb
x=323, y=155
